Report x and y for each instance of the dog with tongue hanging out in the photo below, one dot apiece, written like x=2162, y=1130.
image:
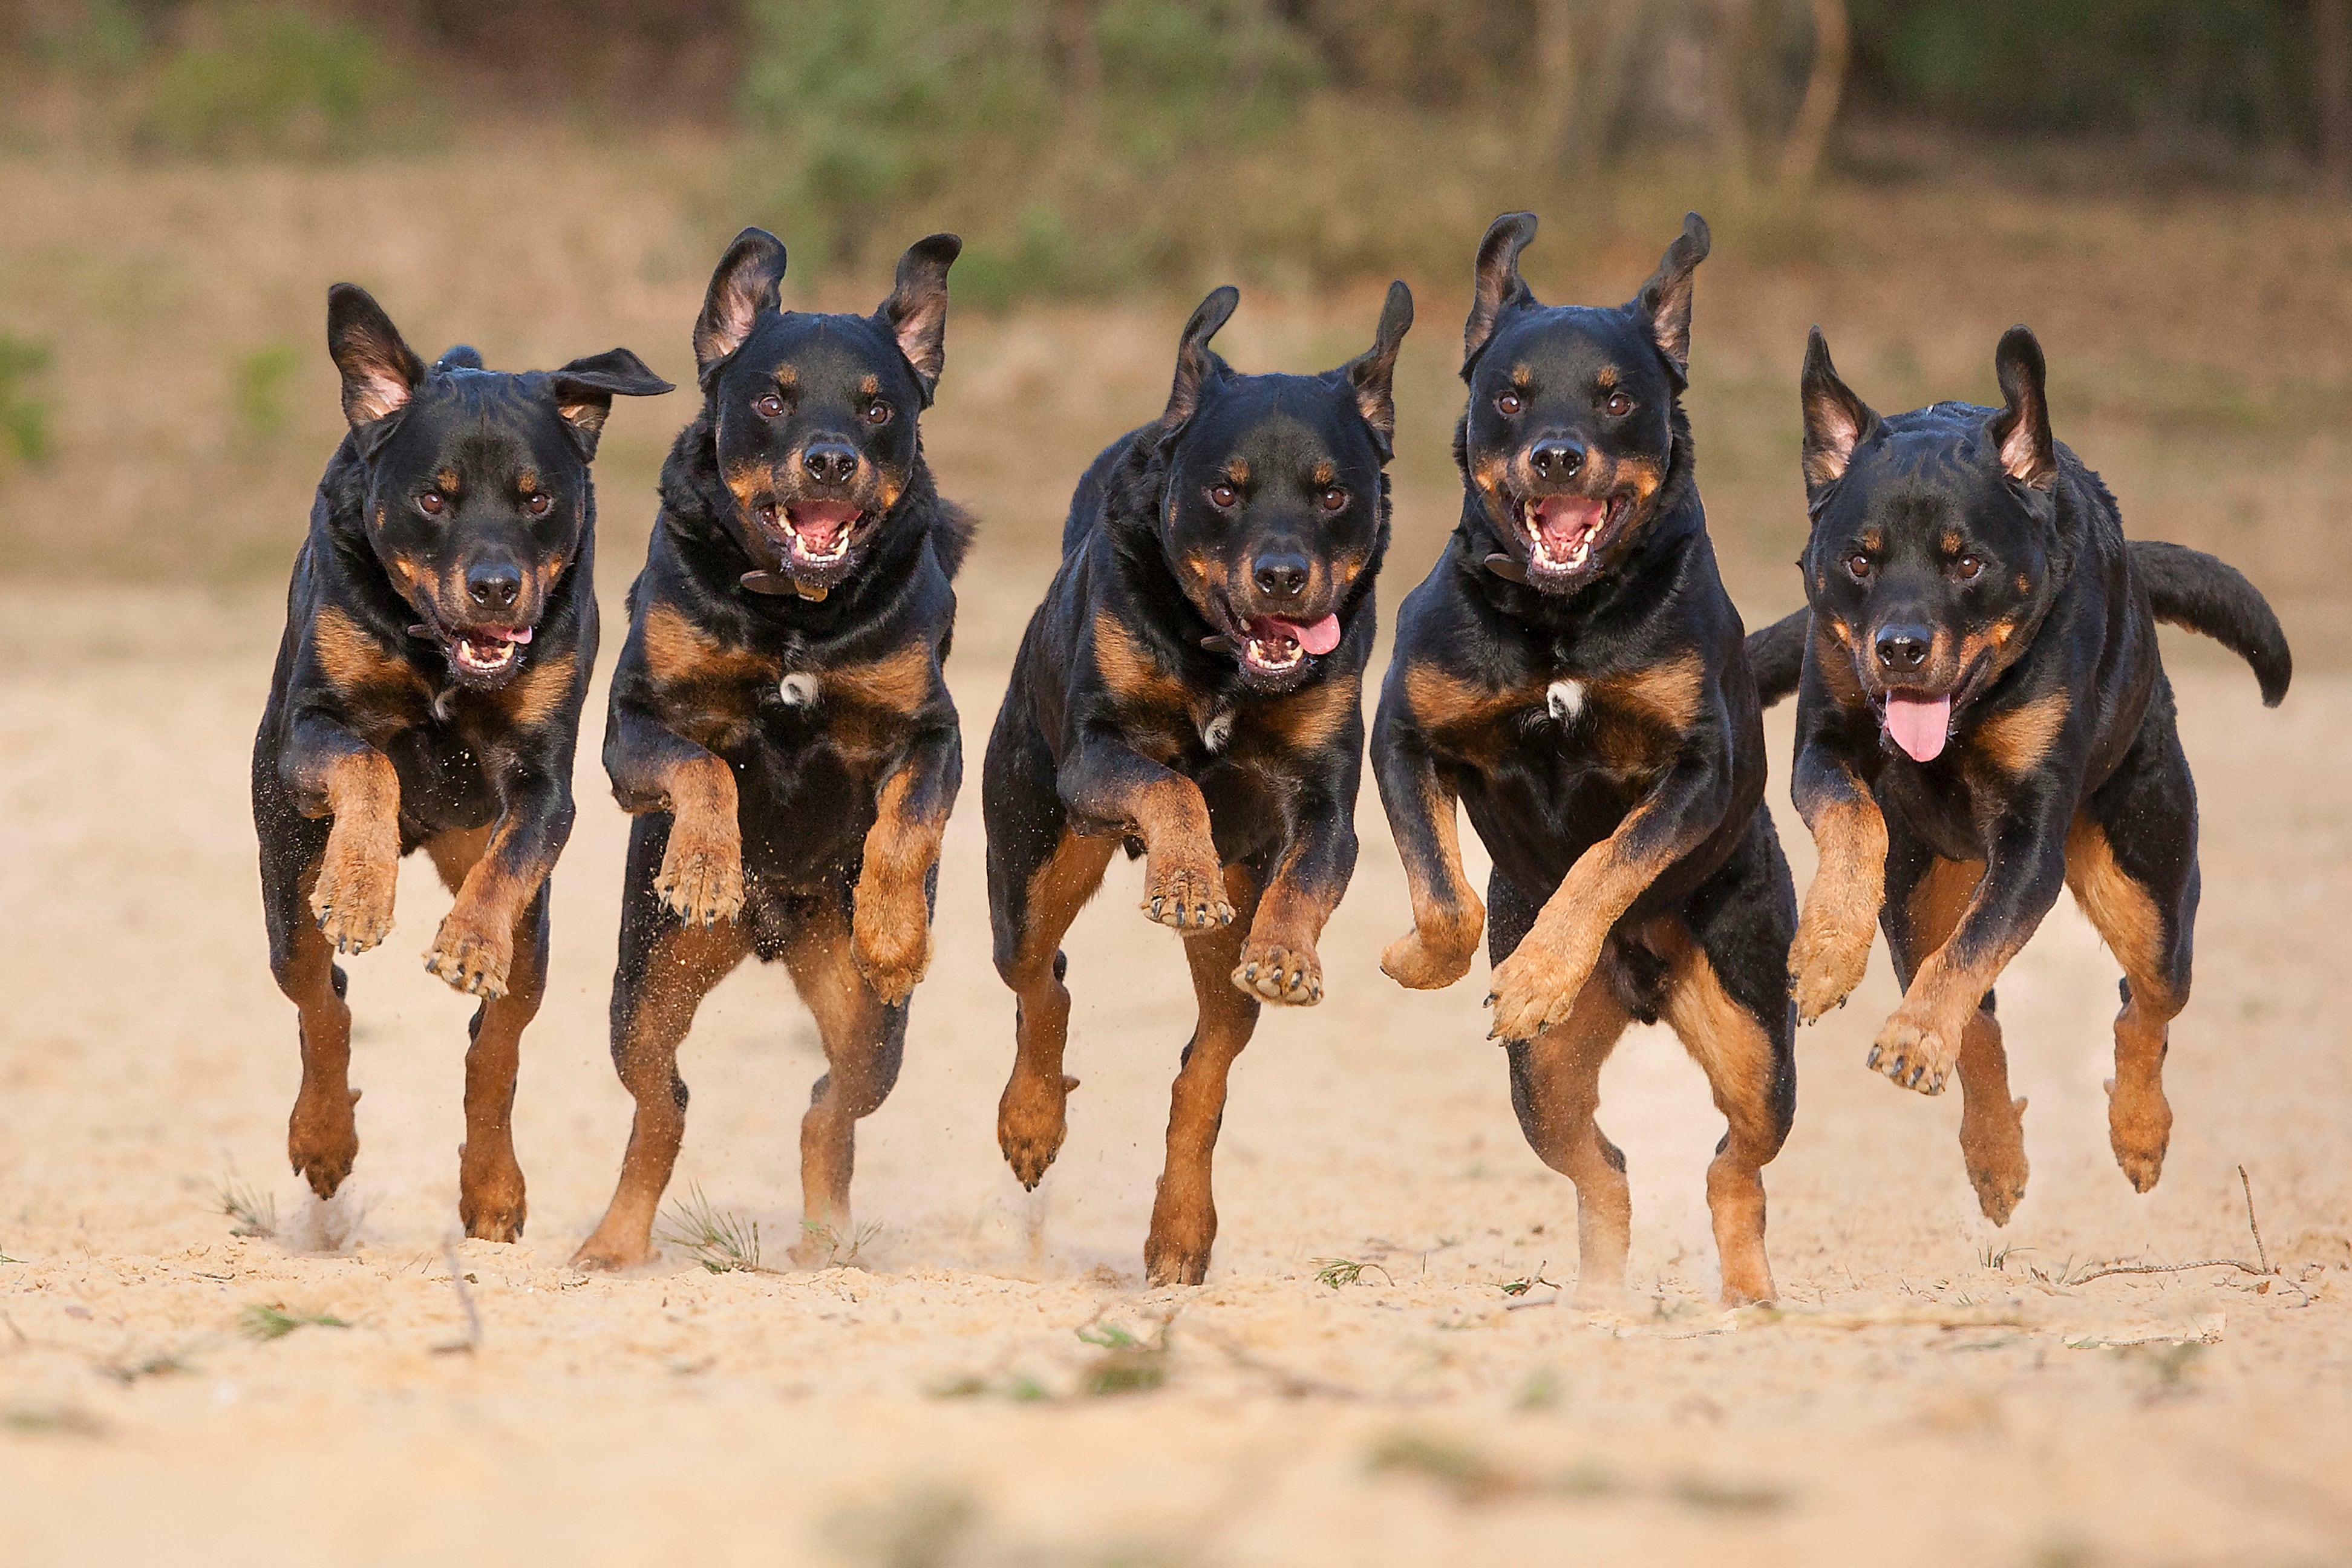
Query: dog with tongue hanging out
x=1572, y=674
x=1193, y=686
x=1983, y=720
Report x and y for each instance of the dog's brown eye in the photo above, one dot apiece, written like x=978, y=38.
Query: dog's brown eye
x=1222, y=497
x=538, y=505
x=1859, y=565
x=770, y=406
x=1968, y=566
x=1619, y=405
x=877, y=413
x=1334, y=498
x=431, y=503
x=1509, y=403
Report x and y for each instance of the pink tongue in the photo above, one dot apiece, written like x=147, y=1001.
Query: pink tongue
x=1920, y=727
x=1317, y=638
x=819, y=522
x=1564, y=519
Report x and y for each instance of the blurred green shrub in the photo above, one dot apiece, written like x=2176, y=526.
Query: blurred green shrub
x=272, y=79
x=257, y=383
x=24, y=414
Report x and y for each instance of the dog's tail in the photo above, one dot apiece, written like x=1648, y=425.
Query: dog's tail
x=2191, y=589
x=1776, y=655
x=952, y=531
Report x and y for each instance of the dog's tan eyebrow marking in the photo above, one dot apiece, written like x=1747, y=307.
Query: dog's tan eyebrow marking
x=1873, y=541
x=446, y=479
x=1238, y=470
x=1522, y=377
x=527, y=482
x=1605, y=378
x=871, y=386
x=1951, y=541
x=1325, y=472
x=787, y=377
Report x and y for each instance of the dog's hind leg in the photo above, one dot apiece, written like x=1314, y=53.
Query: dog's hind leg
x=491, y=1200
x=1034, y=905
x=1555, y=1090
x=1184, y=1208
x=2131, y=861
x=667, y=968
x=322, y=1134
x=1926, y=896
x=863, y=1044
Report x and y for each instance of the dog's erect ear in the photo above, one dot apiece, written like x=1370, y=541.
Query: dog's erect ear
x=745, y=284
x=1372, y=375
x=1664, y=301
x=2022, y=429
x=916, y=311
x=1836, y=421
x=1195, y=365
x=381, y=372
x=1498, y=286
x=586, y=388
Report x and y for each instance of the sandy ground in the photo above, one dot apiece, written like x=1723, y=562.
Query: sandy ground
x=1933, y=1392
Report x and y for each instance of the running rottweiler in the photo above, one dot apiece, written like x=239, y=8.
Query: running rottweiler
x=1982, y=719
x=439, y=632
x=1572, y=673
x=1192, y=686
x=780, y=728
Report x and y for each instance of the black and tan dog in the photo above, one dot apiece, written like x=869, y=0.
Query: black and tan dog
x=1572, y=673
x=780, y=727
x=1193, y=685
x=439, y=633
x=1982, y=719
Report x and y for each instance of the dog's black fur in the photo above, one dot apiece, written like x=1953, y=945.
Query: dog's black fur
x=1961, y=556
x=440, y=627
x=1588, y=701
x=1193, y=685
x=780, y=726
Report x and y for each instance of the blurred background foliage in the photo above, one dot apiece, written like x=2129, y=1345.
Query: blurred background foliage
x=1089, y=147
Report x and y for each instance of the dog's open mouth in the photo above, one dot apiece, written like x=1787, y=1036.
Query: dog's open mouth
x=487, y=650
x=1564, y=531
x=813, y=534
x=1274, y=644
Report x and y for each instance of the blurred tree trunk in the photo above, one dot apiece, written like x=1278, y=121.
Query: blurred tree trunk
x=1800, y=157
x=2331, y=29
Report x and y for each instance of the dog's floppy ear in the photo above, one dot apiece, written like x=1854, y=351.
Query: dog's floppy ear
x=1372, y=375
x=1498, y=286
x=2022, y=429
x=381, y=372
x=916, y=311
x=586, y=388
x=1664, y=301
x=744, y=285
x=1836, y=421
x=1195, y=365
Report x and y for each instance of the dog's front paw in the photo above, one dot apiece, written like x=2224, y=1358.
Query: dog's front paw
x=1534, y=988
x=2139, y=1130
x=472, y=953
x=890, y=942
x=1825, y=965
x=1415, y=961
x=323, y=1138
x=1992, y=1147
x=1291, y=975
x=1915, y=1051
x=1186, y=897
x=352, y=896
x=1031, y=1120
x=701, y=876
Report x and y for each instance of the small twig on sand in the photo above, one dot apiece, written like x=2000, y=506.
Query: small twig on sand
x=2261, y=1270
x=1290, y=1385
x=2260, y=1250
x=473, y=1339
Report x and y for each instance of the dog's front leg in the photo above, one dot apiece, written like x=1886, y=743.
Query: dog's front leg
x=2024, y=868
x=1832, y=943
x=1420, y=803
x=475, y=946
x=333, y=773
x=653, y=769
x=890, y=932
x=1279, y=962
x=1109, y=788
x=1537, y=986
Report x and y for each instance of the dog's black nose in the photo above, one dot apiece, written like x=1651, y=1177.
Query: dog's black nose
x=1280, y=576
x=830, y=462
x=1902, y=649
x=1557, y=458
x=493, y=588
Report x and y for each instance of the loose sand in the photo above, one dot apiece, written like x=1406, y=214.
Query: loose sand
x=1933, y=1392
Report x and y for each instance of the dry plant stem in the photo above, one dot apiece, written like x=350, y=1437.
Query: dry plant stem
x=2262, y=1270
x=473, y=1339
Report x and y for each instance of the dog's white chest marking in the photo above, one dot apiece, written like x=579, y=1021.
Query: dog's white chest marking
x=1216, y=732
x=1566, y=699
x=799, y=689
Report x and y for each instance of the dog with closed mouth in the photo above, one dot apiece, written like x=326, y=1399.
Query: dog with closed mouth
x=780, y=728
x=1983, y=718
x=1193, y=686
x=439, y=632
x=1572, y=674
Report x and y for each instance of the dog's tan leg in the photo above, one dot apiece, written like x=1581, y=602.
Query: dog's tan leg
x=1556, y=1090
x=2139, y=1117
x=1184, y=1209
x=1033, y=1117
x=864, y=1042
x=1732, y=1046
x=321, y=1135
